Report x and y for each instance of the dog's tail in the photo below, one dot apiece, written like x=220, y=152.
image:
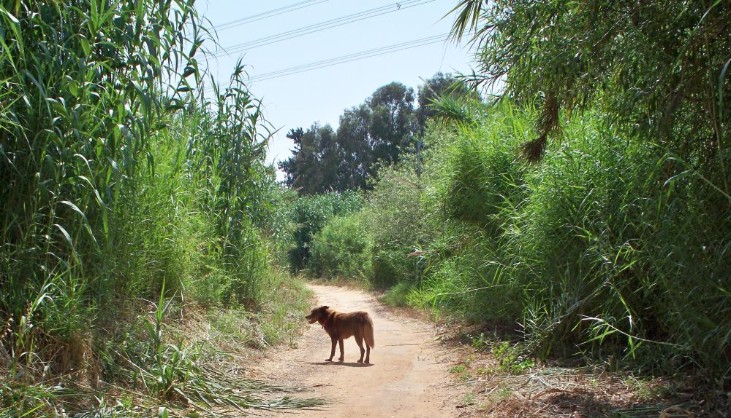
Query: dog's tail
x=368, y=334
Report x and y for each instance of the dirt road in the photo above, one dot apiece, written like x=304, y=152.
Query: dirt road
x=408, y=375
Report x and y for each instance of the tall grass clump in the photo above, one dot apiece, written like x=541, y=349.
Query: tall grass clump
x=576, y=256
x=123, y=183
x=310, y=214
x=627, y=247
x=85, y=88
x=485, y=177
x=342, y=249
x=226, y=149
x=590, y=249
x=619, y=242
x=477, y=184
x=610, y=245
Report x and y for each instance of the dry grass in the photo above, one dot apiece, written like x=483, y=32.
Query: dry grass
x=210, y=351
x=559, y=390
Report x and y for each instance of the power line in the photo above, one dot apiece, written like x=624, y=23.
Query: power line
x=344, y=59
x=350, y=57
x=329, y=24
x=268, y=14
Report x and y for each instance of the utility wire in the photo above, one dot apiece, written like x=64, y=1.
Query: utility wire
x=306, y=30
x=351, y=57
x=329, y=24
x=346, y=58
x=267, y=14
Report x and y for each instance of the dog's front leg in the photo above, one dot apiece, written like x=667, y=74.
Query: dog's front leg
x=342, y=353
x=332, y=350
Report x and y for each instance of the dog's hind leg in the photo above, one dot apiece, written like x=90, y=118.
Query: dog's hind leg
x=368, y=336
x=359, y=341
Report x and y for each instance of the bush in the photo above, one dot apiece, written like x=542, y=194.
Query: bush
x=342, y=249
x=310, y=214
x=399, y=225
x=608, y=245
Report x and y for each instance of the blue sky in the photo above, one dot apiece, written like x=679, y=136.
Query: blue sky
x=322, y=94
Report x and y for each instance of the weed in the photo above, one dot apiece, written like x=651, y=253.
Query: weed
x=643, y=389
x=397, y=295
x=511, y=358
x=462, y=371
x=479, y=342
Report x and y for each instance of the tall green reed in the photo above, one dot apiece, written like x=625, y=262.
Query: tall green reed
x=118, y=176
x=610, y=245
x=226, y=153
x=84, y=87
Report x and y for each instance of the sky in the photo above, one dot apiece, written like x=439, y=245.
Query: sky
x=399, y=40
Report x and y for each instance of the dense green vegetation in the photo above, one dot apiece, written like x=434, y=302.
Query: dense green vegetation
x=309, y=215
x=658, y=69
x=610, y=241
x=128, y=197
x=589, y=204
x=600, y=249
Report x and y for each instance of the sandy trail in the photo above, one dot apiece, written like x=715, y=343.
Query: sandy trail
x=409, y=375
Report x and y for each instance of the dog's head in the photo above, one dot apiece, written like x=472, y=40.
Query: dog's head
x=317, y=313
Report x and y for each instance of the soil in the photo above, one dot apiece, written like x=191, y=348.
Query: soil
x=422, y=369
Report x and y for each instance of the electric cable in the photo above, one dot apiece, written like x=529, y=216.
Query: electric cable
x=350, y=57
x=344, y=59
x=265, y=15
x=329, y=24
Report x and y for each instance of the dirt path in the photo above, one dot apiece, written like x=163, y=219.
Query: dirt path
x=409, y=375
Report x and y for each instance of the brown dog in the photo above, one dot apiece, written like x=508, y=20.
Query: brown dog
x=341, y=326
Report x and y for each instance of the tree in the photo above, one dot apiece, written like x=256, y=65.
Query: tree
x=392, y=122
x=659, y=68
x=289, y=166
x=352, y=135
x=314, y=166
x=377, y=132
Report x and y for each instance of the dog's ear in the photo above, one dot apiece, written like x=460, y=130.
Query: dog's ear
x=324, y=307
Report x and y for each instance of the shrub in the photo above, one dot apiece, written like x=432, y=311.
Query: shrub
x=342, y=249
x=609, y=245
x=310, y=214
x=398, y=224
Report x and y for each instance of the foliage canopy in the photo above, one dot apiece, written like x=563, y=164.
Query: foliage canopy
x=657, y=67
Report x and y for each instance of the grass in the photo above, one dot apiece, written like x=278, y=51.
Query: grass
x=512, y=358
x=182, y=357
x=461, y=371
x=130, y=199
x=397, y=295
x=644, y=389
